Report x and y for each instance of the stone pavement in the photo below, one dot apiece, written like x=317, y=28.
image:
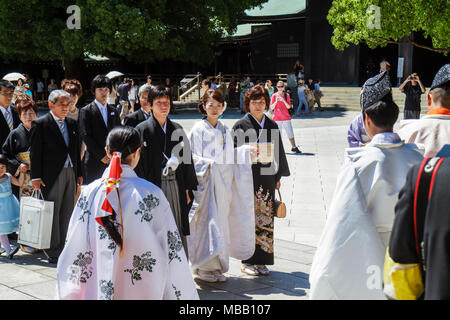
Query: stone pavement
x=307, y=194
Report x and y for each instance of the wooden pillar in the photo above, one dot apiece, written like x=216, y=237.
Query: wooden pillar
x=406, y=51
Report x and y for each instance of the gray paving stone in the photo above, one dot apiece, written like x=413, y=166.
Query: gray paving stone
x=41, y=290
x=7, y=293
x=17, y=276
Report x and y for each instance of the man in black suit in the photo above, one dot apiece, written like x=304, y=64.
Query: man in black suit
x=95, y=120
x=144, y=112
x=56, y=170
x=9, y=119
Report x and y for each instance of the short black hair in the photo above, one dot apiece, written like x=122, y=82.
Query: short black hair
x=158, y=92
x=125, y=140
x=383, y=114
x=3, y=160
x=101, y=81
x=6, y=84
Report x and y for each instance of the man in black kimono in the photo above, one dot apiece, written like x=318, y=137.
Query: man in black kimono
x=95, y=121
x=162, y=140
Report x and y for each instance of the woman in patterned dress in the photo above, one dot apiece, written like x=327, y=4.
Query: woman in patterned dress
x=253, y=128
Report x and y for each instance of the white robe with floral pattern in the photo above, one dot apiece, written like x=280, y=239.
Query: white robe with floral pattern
x=222, y=218
x=153, y=264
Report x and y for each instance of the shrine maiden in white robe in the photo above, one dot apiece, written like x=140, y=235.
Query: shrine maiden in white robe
x=348, y=263
x=222, y=217
x=153, y=265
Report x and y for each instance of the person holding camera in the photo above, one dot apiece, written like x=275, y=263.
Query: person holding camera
x=413, y=88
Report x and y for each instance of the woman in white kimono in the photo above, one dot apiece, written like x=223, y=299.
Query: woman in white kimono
x=123, y=242
x=222, y=215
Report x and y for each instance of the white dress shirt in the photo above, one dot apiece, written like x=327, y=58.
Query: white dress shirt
x=103, y=111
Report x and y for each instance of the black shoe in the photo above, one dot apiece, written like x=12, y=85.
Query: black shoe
x=12, y=236
x=53, y=260
x=296, y=150
x=12, y=253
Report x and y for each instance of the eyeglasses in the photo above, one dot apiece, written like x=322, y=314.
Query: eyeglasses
x=280, y=86
x=7, y=93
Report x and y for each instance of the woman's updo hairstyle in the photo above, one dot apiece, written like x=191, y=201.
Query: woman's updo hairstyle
x=210, y=94
x=125, y=140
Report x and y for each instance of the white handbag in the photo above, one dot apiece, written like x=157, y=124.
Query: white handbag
x=36, y=218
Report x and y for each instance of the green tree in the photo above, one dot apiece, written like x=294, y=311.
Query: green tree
x=359, y=21
x=140, y=30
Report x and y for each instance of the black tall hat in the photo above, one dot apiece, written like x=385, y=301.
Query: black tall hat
x=374, y=89
x=441, y=77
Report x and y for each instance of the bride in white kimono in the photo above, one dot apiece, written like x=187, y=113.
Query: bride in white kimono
x=348, y=263
x=123, y=242
x=222, y=220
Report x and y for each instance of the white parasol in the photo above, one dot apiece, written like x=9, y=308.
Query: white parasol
x=114, y=74
x=14, y=76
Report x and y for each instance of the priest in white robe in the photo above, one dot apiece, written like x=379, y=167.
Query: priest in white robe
x=222, y=216
x=348, y=263
x=123, y=242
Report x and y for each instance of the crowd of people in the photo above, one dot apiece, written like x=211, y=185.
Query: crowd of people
x=303, y=96
x=172, y=188
x=141, y=207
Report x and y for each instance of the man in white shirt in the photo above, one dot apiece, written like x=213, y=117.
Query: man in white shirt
x=9, y=119
x=95, y=120
x=55, y=154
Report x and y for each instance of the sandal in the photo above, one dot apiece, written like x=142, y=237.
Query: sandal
x=263, y=270
x=251, y=270
x=206, y=276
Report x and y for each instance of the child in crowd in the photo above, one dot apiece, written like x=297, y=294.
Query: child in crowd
x=9, y=207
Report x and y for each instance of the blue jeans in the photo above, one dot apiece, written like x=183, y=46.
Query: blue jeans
x=302, y=101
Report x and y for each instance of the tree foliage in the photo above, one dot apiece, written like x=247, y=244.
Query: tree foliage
x=139, y=30
x=355, y=21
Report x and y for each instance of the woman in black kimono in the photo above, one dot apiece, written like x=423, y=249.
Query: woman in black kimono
x=17, y=148
x=255, y=127
x=162, y=140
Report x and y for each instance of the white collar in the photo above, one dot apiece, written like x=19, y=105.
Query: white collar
x=146, y=113
x=261, y=124
x=100, y=105
x=218, y=126
x=55, y=117
x=386, y=138
x=4, y=110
